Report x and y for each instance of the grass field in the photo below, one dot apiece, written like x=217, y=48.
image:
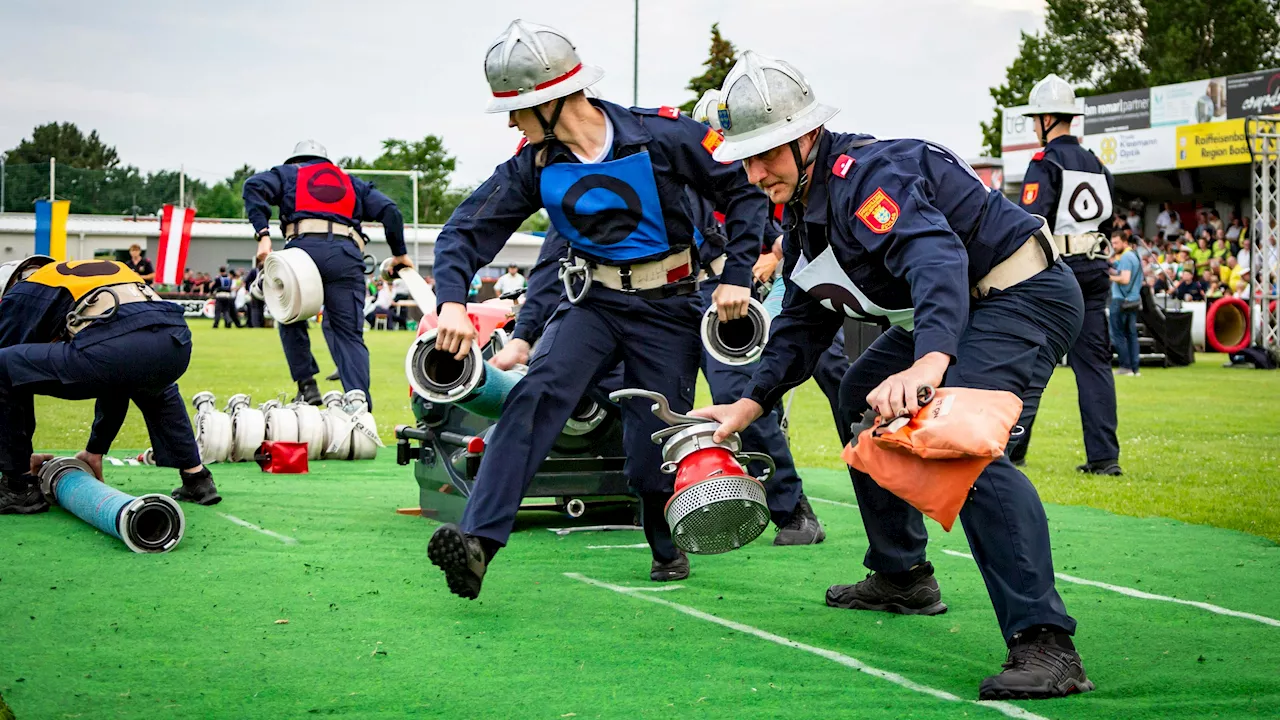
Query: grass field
x=1177, y=620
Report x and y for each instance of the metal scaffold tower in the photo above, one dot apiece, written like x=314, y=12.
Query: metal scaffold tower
x=1263, y=134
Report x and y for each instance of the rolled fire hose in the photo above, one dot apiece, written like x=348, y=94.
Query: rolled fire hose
x=213, y=429
x=337, y=427
x=291, y=285
x=248, y=428
x=717, y=505
x=742, y=341
x=364, y=429
x=282, y=422
x=1226, y=325
x=148, y=524
x=311, y=428
x=147, y=457
x=418, y=288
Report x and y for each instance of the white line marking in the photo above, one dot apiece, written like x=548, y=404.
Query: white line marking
x=660, y=588
x=849, y=662
x=832, y=502
x=1131, y=592
x=282, y=538
x=617, y=547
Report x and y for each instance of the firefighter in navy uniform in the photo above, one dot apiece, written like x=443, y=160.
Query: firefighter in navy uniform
x=321, y=208
x=92, y=329
x=224, y=300
x=613, y=182
x=1069, y=186
x=905, y=233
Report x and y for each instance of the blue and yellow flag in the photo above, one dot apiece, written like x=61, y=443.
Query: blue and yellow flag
x=51, y=228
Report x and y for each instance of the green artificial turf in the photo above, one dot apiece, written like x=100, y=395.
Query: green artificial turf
x=89, y=630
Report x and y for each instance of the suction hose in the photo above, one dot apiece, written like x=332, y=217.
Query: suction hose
x=148, y=524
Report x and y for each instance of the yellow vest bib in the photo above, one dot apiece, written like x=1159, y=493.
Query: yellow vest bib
x=81, y=277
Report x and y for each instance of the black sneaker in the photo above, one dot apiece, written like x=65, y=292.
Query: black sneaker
x=677, y=569
x=21, y=496
x=197, y=488
x=803, y=528
x=335, y=377
x=1101, y=467
x=461, y=557
x=918, y=596
x=308, y=392
x=1041, y=664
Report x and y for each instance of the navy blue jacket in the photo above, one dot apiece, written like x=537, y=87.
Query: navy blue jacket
x=35, y=313
x=279, y=187
x=1046, y=170
x=911, y=225
x=481, y=225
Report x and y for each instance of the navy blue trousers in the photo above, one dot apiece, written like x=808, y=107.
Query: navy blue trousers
x=109, y=371
x=1090, y=360
x=729, y=384
x=342, y=270
x=1012, y=342
x=829, y=373
x=658, y=345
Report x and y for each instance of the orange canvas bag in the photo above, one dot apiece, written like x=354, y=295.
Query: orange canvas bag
x=931, y=460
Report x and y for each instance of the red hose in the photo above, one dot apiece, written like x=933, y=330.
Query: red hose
x=1210, y=326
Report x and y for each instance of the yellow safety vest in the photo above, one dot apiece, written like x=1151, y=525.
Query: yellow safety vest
x=81, y=277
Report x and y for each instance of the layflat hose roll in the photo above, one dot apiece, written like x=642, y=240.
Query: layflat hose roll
x=213, y=429
x=148, y=524
x=291, y=285
x=248, y=428
x=741, y=341
x=364, y=429
x=337, y=432
x=282, y=423
x=311, y=429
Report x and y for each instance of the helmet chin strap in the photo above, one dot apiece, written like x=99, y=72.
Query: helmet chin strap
x=549, y=126
x=802, y=180
x=1045, y=129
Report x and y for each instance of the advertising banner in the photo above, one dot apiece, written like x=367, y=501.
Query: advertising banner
x=1144, y=150
x=1189, y=103
x=1253, y=94
x=1220, y=143
x=1115, y=112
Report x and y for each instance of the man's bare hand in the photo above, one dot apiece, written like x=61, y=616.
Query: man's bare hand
x=732, y=418
x=93, y=460
x=454, y=330
x=516, y=352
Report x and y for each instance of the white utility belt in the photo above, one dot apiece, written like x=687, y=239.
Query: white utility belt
x=102, y=302
x=1091, y=245
x=223, y=295
x=632, y=278
x=1025, y=263
x=715, y=268
x=316, y=226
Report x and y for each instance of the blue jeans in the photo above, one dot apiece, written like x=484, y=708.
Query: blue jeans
x=1124, y=335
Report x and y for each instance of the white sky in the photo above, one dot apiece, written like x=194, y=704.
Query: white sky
x=214, y=85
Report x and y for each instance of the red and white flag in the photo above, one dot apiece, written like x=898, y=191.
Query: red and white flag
x=175, y=236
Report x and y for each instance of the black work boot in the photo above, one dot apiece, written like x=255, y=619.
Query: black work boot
x=308, y=392
x=21, y=496
x=197, y=488
x=1101, y=467
x=461, y=557
x=803, y=528
x=914, y=592
x=334, y=377
x=677, y=569
x=1043, y=663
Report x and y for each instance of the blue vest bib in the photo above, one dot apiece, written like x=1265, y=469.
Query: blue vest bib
x=610, y=211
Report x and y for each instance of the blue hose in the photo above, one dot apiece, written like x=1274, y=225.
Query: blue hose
x=773, y=301
x=147, y=524
x=494, y=387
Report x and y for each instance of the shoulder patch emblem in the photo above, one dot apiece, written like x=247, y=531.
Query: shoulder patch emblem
x=879, y=212
x=1038, y=156
x=1030, y=192
x=711, y=140
x=668, y=112
x=843, y=165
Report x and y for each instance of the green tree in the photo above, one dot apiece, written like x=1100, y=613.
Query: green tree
x=1111, y=45
x=432, y=163
x=718, y=64
x=69, y=146
x=220, y=202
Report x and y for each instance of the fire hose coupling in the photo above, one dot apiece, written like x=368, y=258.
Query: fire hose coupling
x=737, y=342
x=147, y=524
x=717, y=505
